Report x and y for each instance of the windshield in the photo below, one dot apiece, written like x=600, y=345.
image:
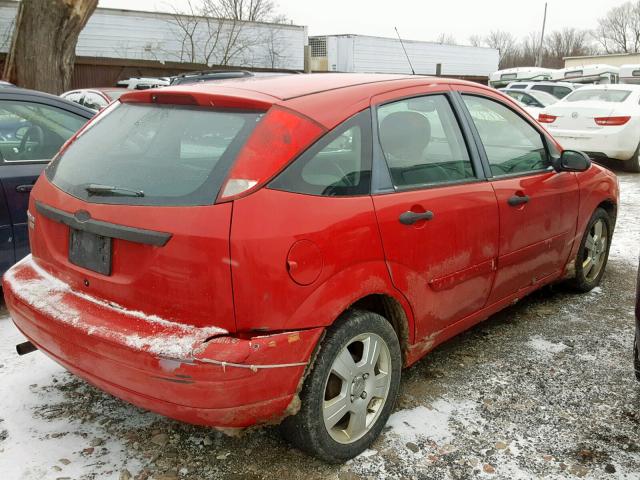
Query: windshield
x=172, y=155
x=599, y=95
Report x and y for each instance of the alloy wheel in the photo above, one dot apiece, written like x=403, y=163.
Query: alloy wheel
x=357, y=387
x=595, y=250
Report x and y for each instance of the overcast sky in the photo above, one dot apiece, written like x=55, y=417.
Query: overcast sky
x=423, y=19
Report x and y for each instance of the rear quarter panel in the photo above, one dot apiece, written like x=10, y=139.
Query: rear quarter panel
x=348, y=259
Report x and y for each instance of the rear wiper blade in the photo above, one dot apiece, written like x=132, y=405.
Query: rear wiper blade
x=98, y=189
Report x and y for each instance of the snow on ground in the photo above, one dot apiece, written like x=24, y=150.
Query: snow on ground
x=626, y=240
x=39, y=445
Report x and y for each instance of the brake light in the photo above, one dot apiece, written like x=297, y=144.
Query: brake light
x=279, y=137
x=545, y=118
x=611, y=121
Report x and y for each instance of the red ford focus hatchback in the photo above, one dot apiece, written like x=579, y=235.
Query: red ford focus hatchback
x=279, y=248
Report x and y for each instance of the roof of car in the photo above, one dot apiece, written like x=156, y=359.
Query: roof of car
x=613, y=86
x=287, y=87
x=24, y=94
x=328, y=98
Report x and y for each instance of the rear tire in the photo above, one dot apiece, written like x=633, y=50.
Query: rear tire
x=593, y=253
x=633, y=164
x=350, y=392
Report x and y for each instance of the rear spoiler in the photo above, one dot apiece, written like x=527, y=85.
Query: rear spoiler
x=220, y=98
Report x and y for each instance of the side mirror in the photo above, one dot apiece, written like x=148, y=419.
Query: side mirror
x=572, y=161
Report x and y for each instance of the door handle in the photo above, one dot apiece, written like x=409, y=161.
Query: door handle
x=409, y=218
x=24, y=188
x=518, y=200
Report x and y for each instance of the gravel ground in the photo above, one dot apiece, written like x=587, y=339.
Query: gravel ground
x=545, y=389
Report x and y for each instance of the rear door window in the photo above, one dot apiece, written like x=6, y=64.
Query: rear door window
x=337, y=165
x=174, y=155
x=94, y=101
x=422, y=142
x=32, y=131
x=513, y=146
x=600, y=95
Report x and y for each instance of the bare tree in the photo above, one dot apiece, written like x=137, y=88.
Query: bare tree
x=245, y=10
x=446, y=39
x=568, y=42
x=506, y=45
x=213, y=31
x=274, y=45
x=529, y=50
x=619, y=30
x=476, y=41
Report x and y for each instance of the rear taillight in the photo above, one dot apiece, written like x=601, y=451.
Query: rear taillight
x=279, y=137
x=611, y=121
x=545, y=118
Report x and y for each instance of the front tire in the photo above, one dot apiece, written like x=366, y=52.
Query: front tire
x=593, y=253
x=636, y=356
x=350, y=392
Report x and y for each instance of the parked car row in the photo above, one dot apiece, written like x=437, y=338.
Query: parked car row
x=282, y=256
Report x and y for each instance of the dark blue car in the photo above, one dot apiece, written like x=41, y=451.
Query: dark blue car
x=33, y=127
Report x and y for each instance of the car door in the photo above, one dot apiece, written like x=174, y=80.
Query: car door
x=38, y=132
x=538, y=206
x=437, y=215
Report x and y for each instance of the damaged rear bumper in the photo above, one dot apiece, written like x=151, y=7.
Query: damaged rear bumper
x=197, y=375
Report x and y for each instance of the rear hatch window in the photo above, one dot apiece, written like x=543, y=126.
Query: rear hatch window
x=586, y=95
x=149, y=154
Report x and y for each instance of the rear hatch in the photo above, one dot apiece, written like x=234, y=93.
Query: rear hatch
x=126, y=212
x=578, y=111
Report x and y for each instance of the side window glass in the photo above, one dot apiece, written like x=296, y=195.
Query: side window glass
x=512, y=145
x=94, y=101
x=544, y=88
x=74, y=97
x=422, y=142
x=31, y=131
x=339, y=164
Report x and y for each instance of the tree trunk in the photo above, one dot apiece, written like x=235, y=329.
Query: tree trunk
x=43, y=48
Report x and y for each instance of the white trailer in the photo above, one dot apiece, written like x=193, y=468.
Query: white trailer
x=630, y=73
x=367, y=54
x=598, y=74
x=502, y=78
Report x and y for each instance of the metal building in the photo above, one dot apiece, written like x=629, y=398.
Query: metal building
x=157, y=37
x=367, y=54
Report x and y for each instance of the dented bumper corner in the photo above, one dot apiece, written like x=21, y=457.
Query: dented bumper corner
x=197, y=375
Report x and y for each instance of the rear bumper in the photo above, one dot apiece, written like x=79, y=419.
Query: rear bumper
x=619, y=145
x=176, y=370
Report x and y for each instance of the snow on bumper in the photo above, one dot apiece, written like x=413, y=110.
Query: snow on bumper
x=197, y=375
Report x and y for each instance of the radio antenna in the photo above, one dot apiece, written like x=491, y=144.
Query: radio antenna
x=413, y=72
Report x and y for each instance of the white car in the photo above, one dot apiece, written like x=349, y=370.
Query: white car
x=557, y=89
x=600, y=120
x=532, y=101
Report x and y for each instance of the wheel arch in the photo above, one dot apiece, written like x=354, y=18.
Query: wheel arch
x=391, y=310
x=611, y=208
